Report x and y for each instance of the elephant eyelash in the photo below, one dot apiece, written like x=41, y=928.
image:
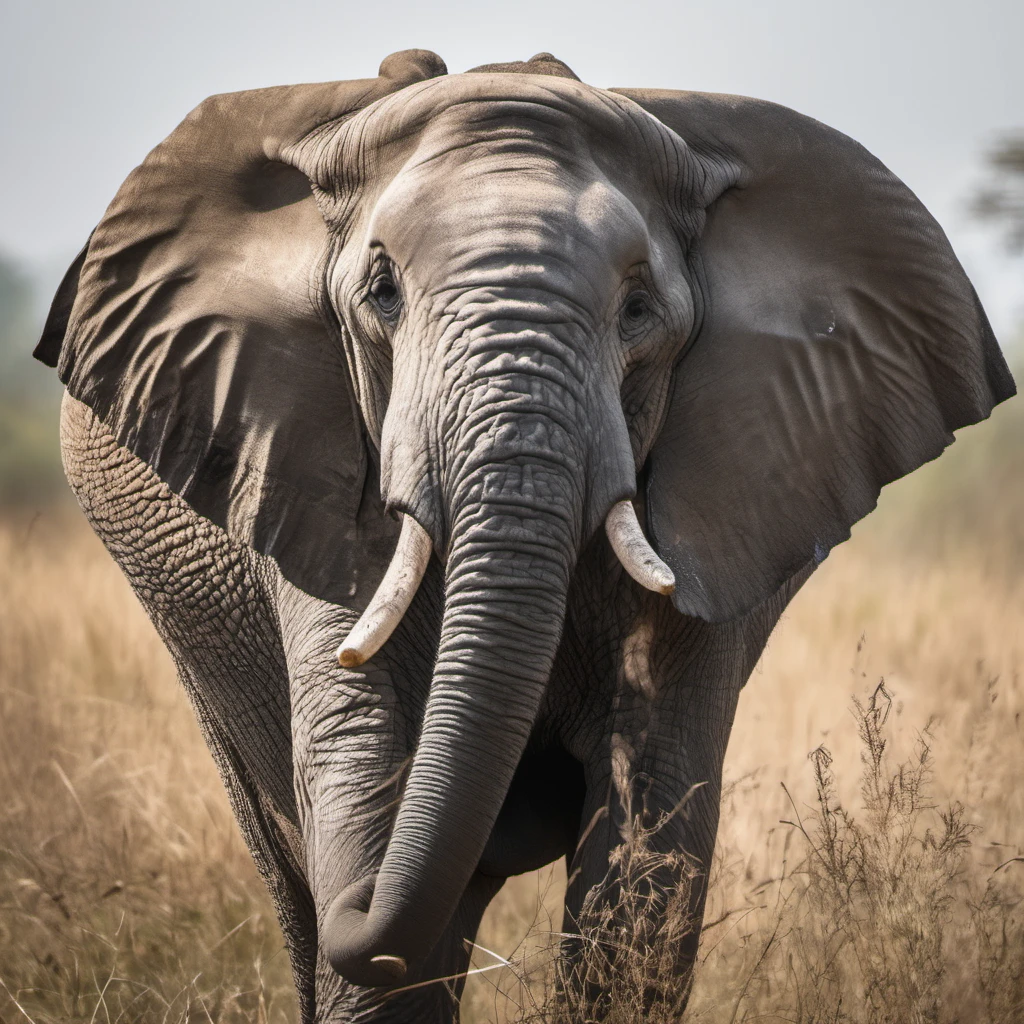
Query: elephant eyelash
x=636, y=314
x=636, y=308
x=384, y=294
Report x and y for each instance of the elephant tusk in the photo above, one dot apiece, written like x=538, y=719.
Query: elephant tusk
x=395, y=593
x=635, y=553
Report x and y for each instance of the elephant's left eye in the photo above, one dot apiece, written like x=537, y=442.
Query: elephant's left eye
x=385, y=295
x=636, y=311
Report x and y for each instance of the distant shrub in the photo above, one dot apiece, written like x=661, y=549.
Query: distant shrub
x=30, y=470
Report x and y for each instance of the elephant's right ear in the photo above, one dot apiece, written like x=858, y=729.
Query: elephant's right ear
x=840, y=346
x=193, y=327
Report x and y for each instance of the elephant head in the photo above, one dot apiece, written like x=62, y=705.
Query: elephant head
x=495, y=305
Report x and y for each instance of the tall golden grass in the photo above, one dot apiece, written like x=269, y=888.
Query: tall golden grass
x=126, y=892
x=868, y=867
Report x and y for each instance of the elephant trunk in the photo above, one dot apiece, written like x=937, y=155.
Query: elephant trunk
x=516, y=507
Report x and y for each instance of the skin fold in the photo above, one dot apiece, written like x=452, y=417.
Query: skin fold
x=497, y=303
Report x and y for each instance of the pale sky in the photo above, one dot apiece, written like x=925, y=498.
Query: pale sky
x=89, y=87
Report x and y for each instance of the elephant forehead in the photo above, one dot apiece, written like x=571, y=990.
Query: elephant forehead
x=512, y=114
x=513, y=125
x=455, y=211
x=481, y=100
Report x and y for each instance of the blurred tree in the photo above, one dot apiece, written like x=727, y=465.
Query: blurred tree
x=30, y=472
x=1001, y=200
x=16, y=325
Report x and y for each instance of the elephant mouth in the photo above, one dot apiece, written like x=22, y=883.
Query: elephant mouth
x=412, y=554
x=538, y=822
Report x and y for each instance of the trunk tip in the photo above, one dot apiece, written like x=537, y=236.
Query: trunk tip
x=394, y=966
x=348, y=939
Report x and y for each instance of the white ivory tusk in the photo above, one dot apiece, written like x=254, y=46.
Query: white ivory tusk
x=636, y=555
x=395, y=593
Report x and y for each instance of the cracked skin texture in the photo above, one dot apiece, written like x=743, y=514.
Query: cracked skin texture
x=219, y=607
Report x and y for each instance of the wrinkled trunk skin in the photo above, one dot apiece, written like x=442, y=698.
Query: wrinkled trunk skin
x=514, y=486
x=498, y=642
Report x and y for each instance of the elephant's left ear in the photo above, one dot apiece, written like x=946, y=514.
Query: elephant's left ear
x=841, y=344
x=194, y=327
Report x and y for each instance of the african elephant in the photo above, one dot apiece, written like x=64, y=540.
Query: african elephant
x=539, y=399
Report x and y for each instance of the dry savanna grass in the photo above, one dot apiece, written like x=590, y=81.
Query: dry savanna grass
x=869, y=852
x=126, y=892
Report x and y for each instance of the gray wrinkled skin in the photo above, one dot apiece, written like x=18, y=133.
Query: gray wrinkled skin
x=255, y=655
x=499, y=303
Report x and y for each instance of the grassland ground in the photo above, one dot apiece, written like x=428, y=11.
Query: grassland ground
x=877, y=880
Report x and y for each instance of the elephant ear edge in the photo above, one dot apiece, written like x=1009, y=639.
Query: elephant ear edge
x=192, y=326
x=841, y=345
x=51, y=340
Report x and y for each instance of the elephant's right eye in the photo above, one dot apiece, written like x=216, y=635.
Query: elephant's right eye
x=384, y=294
x=635, y=314
x=636, y=309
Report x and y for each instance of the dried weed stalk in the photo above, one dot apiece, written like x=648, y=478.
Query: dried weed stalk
x=621, y=964
x=888, y=920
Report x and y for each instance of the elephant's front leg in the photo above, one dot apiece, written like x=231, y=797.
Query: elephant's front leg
x=353, y=734
x=651, y=816
x=212, y=602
